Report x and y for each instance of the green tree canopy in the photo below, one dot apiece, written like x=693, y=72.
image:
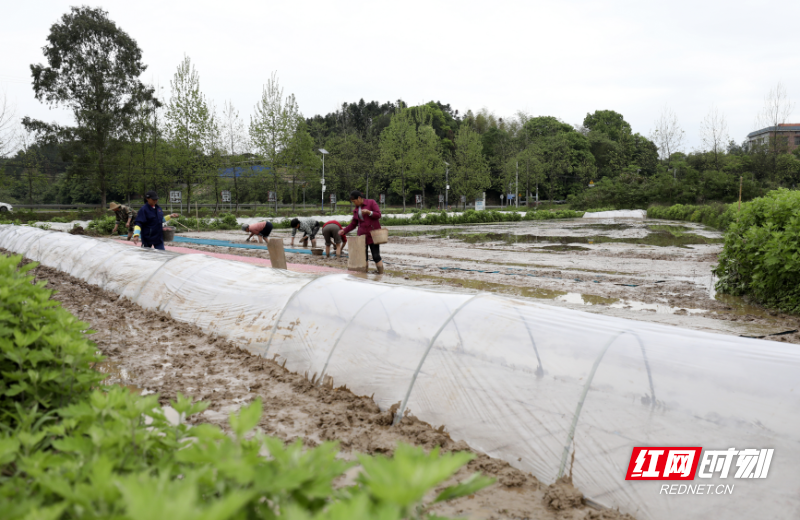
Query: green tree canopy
x=609, y=122
x=93, y=68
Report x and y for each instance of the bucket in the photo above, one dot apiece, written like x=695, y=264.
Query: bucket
x=169, y=234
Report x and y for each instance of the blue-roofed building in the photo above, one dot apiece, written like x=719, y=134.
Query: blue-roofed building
x=253, y=170
x=789, y=133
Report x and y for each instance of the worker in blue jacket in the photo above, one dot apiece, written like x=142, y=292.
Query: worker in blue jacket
x=149, y=222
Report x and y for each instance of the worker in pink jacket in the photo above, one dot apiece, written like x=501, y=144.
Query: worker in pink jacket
x=366, y=216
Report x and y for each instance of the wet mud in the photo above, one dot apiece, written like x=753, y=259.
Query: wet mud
x=623, y=273
x=149, y=352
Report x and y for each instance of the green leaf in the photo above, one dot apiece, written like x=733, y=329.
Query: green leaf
x=247, y=418
x=46, y=513
x=474, y=483
x=8, y=449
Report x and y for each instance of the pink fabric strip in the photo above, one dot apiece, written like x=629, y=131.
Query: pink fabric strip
x=300, y=268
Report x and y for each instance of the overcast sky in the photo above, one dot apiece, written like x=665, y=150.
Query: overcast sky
x=562, y=58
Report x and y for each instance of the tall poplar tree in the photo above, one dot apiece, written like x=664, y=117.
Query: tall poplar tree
x=273, y=126
x=188, y=123
x=470, y=176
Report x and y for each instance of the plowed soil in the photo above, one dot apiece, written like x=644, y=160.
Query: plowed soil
x=150, y=352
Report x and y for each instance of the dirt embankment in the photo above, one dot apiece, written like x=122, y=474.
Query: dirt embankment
x=149, y=351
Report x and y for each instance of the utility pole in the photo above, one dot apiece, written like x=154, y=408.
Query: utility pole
x=516, y=191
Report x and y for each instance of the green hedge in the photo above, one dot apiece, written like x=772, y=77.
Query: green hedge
x=70, y=449
x=717, y=215
x=478, y=217
x=105, y=225
x=761, y=254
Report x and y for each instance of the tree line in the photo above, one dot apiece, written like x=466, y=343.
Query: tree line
x=129, y=137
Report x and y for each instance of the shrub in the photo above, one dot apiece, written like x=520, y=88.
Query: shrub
x=715, y=215
x=103, y=225
x=761, y=254
x=70, y=451
x=477, y=217
x=44, y=352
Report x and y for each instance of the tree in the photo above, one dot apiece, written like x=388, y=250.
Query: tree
x=471, y=173
x=609, y=122
x=714, y=133
x=8, y=127
x=235, y=142
x=776, y=111
x=428, y=161
x=273, y=126
x=397, y=146
x=93, y=69
x=215, y=146
x=188, y=123
x=32, y=179
x=299, y=158
x=667, y=134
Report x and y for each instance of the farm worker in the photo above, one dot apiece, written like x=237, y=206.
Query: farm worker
x=309, y=227
x=124, y=216
x=330, y=232
x=149, y=222
x=260, y=230
x=366, y=214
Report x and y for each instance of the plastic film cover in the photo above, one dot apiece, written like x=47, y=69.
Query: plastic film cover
x=550, y=390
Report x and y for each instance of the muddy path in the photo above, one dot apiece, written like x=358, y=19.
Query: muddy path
x=149, y=352
x=648, y=270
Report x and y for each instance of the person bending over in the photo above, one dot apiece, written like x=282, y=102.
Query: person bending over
x=330, y=232
x=309, y=227
x=260, y=230
x=366, y=216
x=124, y=216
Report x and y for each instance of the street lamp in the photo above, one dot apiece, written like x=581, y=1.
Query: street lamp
x=446, y=182
x=324, y=152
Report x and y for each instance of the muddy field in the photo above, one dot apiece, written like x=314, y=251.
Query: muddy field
x=651, y=270
x=151, y=353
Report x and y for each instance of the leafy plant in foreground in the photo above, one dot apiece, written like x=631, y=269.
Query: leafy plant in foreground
x=44, y=355
x=70, y=451
x=761, y=254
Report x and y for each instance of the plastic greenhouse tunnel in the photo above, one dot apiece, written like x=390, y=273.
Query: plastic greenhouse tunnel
x=552, y=391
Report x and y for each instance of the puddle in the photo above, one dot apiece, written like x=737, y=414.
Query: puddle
x=607, y=227
x=586, y=299
x=661, y=238
x=565, y=248
x=670, y=228
x=738, y=306
x=478, y=285
x=657, y=308
x=616, y=303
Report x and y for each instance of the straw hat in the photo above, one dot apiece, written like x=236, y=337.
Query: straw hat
x=113, y=206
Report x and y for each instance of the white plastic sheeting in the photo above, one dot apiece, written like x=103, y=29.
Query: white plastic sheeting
x=524, y=382
x=622, y=213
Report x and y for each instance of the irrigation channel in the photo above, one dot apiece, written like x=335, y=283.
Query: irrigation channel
x=551, y=390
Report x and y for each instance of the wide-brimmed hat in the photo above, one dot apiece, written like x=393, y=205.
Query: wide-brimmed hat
x=113, y=206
